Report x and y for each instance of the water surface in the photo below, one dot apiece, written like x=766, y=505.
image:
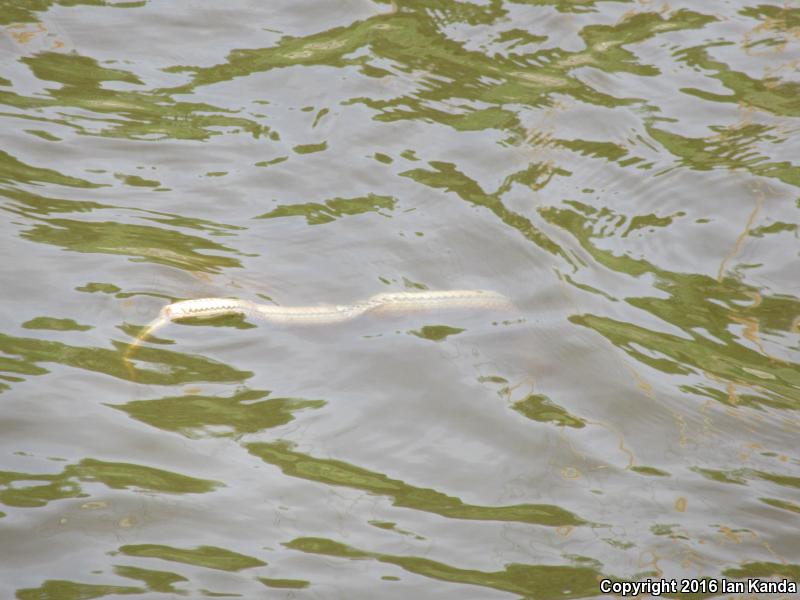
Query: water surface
x=626, y=172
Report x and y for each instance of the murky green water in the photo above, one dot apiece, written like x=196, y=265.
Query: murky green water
x=626, y=172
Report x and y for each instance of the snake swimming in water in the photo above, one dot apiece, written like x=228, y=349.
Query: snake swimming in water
x=387, y=303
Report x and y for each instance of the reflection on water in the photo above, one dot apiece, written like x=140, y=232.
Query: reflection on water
x=244, y=412
x=339, y=473
x=532, y=581
x=114, y=475
x=625, y=171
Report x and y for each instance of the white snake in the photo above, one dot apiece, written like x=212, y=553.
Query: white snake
x=398, y=302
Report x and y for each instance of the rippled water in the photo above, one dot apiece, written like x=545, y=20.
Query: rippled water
x=625, y=172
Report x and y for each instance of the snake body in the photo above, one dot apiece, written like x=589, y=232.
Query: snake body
x=397, y=302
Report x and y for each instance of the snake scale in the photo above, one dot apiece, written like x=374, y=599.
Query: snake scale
x=388, y=303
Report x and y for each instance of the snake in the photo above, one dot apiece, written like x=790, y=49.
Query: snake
x=385, y=303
